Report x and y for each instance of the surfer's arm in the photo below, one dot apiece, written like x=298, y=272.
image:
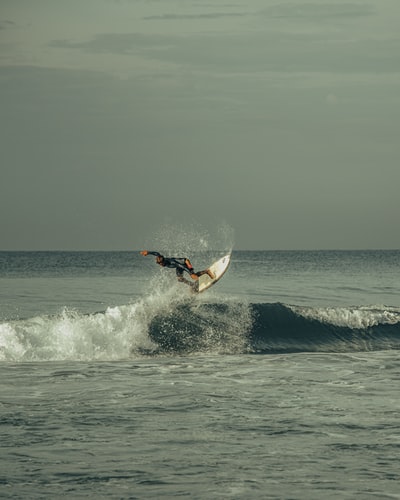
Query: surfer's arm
x=146, y=252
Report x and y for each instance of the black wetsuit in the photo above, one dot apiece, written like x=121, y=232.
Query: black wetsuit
x=180, y=264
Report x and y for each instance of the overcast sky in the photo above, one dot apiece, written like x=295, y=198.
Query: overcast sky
x=120, y=117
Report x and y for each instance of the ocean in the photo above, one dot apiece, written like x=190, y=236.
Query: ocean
x=280, y=382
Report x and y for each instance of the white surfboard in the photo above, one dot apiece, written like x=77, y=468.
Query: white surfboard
x=218, y=268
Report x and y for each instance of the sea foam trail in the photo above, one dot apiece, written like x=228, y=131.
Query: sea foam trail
x=175, y=323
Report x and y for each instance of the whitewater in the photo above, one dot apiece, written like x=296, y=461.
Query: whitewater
x=279, y=382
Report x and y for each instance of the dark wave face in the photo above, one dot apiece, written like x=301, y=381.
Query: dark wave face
x=275, y=328
x=278, y=328
x=221, y=327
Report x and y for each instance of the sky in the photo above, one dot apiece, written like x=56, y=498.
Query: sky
x=121, y=118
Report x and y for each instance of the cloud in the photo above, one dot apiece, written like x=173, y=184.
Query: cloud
x=114, y=43
x=310, y=10
x=6, y=24
x=210, y=15
x=258, y=53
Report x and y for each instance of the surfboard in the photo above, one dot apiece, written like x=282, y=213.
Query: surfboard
x=218, y=268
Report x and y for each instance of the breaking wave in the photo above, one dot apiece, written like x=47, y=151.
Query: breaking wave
x=173, y=325
x=280, y=328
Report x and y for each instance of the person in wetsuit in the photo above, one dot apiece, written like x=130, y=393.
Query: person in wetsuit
x=180, y=264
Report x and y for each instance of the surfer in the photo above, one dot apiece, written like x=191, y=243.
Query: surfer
x=181, y=265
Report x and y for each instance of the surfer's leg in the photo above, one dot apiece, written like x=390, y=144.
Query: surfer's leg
x=200, y=273
x=210, y=273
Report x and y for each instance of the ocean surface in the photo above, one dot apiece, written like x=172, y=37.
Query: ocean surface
x=280, y=382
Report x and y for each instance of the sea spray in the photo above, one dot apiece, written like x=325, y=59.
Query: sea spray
x=202, y=246
x=219, y=327
x=180, y=321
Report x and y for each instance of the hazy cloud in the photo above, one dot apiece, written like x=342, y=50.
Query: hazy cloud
x=258, y=52
x=318, y=10
x=209, y=15
x=5, y=24
x=283, y=122
x=116, y=43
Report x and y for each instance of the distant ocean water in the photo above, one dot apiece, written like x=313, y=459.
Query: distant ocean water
x=279, y=382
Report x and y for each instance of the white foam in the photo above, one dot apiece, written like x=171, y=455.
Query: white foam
x=352, y=317
x=113, y=334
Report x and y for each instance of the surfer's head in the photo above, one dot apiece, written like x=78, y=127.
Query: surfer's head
x=160, y=260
